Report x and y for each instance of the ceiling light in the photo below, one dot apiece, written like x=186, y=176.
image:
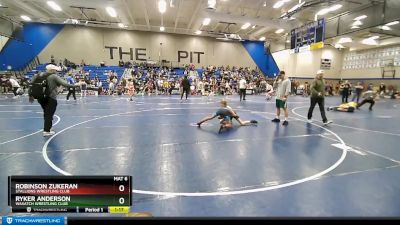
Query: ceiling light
x=374, y=37
x=327, y=10
x=74, y=21
x=288, y=41
x=172, y=3
x=121, y=25
x=357, y=23
x=111, y=11
x=262, y=39
x=198, y=32
x=232, y=35
x=54, y=6
x=279, y=31
x=212, y=3
x=369, y=41
x=278, y=4
x=355, y=27
x=392, y=23
x=253, y=27
x=206, y=21
x=265, y=4
x=245, y=26
x=361, y=17
x=162, y=28
x=339, y=46
x=26, y=18
x=345, y=40
x=385, y=28
x=297, y=6
x=323, y=12
x=335, y=7
x=162, y=6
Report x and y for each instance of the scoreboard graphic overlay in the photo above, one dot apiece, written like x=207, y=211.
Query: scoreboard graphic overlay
x=74, y=194
x=308, y=37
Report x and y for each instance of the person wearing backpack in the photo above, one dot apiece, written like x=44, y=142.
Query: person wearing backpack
x=43, y=88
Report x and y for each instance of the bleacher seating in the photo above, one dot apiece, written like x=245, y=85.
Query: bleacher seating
x=94, y=71
x=39, y=68
x=102, y=72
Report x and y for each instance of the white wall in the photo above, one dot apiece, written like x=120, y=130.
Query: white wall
x=3, y=41
x=77, y=43
x=306, y=64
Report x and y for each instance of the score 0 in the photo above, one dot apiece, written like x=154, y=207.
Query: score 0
x=121, y=188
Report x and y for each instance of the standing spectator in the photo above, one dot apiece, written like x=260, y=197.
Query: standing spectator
x=48, y=102
x=306, y=91
x=345, y=91
x=269, y=91
x=357, y=93
x=318, y=96
x=382, y=89
x=283, y=87
x=83, y=85
x=242, y=88
x=15, y=86
x=4, y=84
x=71, y=90
x=99, y=86
x=370, y=87
x=185, y=87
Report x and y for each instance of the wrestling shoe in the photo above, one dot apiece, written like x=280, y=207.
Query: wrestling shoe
x=48, y=134
x=276, y=120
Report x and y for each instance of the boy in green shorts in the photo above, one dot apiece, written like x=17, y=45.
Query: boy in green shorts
x=282, y=85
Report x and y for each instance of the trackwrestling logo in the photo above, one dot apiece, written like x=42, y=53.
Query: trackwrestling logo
x=33, y=220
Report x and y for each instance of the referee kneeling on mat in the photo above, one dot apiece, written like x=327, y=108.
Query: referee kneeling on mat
x=43, y=88
x=282, y=85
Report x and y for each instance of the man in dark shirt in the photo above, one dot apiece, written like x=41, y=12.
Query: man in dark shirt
x=185, y=87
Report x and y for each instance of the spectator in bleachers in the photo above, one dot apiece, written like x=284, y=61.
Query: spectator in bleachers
x=99, y=86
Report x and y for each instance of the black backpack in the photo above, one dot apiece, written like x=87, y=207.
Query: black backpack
x=39, y=89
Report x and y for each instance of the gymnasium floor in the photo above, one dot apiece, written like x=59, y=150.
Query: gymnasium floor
x=351, y=168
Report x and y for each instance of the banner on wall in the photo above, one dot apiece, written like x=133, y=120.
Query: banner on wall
x=326, y=64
